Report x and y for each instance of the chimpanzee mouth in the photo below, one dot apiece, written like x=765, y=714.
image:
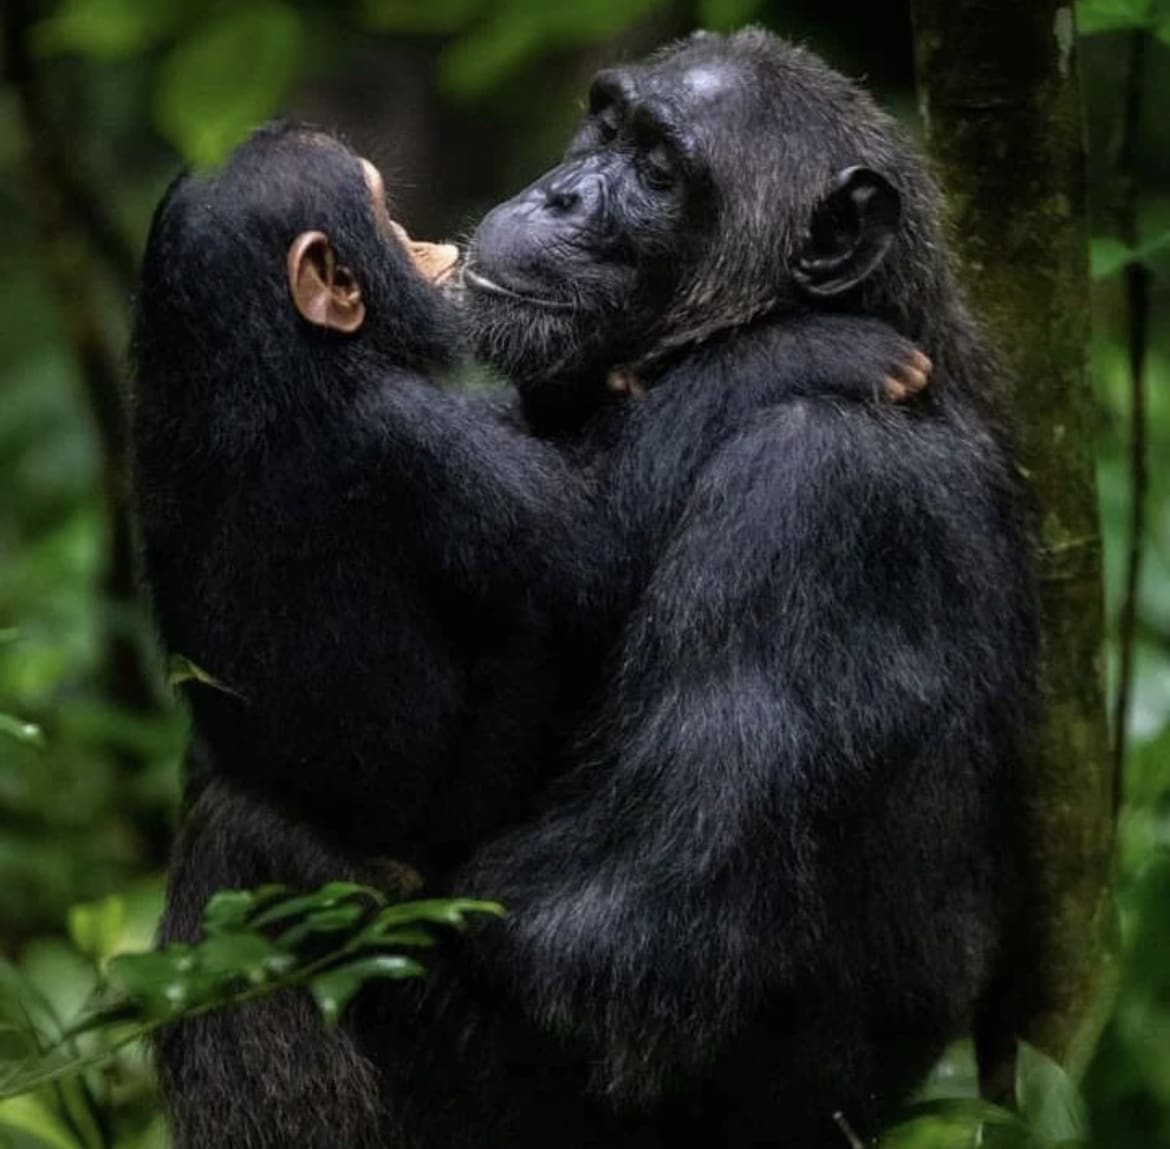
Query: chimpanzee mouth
x=477, y=281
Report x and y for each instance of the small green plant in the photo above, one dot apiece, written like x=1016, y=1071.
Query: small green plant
x=330, y=942
x=1048, y=1111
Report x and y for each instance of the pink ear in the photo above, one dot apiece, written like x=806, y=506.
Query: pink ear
x=323, y=293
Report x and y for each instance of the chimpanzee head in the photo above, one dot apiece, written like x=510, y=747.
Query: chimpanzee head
x=279, y=280
x=722, y=179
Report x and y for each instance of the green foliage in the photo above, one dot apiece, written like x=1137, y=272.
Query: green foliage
x=510, y=32
x=227, y=69
x=1109, y=15
x=96, y=927
x=1048, y=1111
x=1120, y=15
x=1049, y=1103
x=1128, y=1084
x=226, y=78
x=181, y=669
x=331, y=941
x=1108, y=256
x=109, y=29
x=52, y=982
x=73, y=815
x=493, y=38
x=27, y=732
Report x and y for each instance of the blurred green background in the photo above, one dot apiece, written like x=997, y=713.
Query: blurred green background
x=460, y=102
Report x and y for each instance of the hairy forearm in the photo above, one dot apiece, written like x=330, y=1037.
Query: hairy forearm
x=497, y=511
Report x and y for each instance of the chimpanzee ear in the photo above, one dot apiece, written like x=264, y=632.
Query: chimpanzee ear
x=325, y=293
x=851, y=231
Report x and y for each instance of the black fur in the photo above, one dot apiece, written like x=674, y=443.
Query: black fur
x=295, y=521
x=719, y=690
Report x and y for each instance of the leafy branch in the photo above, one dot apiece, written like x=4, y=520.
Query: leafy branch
x=256, y=943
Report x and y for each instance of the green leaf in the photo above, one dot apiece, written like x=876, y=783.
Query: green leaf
x=442, y=911
x=217, y=85
x=1107, y=255
x=181, y=669
x=328, y=896
x=377, y=934
x=972, y=1110
x=930, y=1133
x=1047, y=1098
x=29, y=1115
x=338, y=919
x=27, y=732
x=1154, y=246
x=95, y=928
x=333, y=989
x=229, y=910
x=724, y=15
x=107, y=1017
x=107, y=29
x=18, y=1041
x=242, y=955
x=1110, y=15
x=517, y=31
x=163, y=983
x=475, y=62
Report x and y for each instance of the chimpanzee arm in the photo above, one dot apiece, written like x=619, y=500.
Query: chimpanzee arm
x=484, y=503
x=496, y=507
x=832, y=653
x=847, y=356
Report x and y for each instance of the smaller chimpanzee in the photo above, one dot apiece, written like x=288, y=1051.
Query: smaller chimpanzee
x=399, y=589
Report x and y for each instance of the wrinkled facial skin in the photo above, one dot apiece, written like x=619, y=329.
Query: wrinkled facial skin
x=720, y=180
x=573, y=275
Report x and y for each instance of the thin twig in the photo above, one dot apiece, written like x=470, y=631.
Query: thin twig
x=847, y=1131
x=1137, y=303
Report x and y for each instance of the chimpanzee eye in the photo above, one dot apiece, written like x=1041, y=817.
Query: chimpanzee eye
x=607, y=123
x=658, y=166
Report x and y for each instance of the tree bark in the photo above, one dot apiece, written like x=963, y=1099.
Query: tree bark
x=999, y=95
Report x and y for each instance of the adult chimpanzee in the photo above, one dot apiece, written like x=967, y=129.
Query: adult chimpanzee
x=403, y=593
x=777, y=882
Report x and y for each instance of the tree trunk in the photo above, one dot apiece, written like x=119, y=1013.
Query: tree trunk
x=999, y=95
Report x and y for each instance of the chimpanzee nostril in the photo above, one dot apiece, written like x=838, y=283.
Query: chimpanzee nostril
x=563, y=201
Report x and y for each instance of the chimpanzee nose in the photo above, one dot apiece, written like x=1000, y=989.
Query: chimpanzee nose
x=563, y=200
x=573, y=194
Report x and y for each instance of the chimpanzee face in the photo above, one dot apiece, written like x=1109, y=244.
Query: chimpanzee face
x=581, y=264
x=705, y=186
x=282, y=273
x=588, y=232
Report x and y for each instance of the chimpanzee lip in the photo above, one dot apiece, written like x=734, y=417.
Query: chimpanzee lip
x=477, y=281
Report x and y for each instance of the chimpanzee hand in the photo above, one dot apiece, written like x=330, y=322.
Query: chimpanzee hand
x=844, y=356
x=810, y=351
x=907, y=376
